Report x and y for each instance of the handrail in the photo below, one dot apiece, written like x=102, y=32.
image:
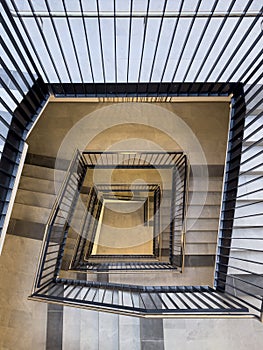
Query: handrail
x=52, y=215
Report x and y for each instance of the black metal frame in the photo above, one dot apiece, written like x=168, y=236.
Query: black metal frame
x=151, y=301
x=177, y=162
x=92, y=263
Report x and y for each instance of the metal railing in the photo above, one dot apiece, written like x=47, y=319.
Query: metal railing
x=84, y=260
x=22, y=95
x=59, y=222
x=132, y=159
x=142, y=301
x=88, y=229
x=178, y=213
x=239, y=263
x=177, y=162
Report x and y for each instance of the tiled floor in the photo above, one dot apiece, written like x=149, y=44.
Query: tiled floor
x=24, y=324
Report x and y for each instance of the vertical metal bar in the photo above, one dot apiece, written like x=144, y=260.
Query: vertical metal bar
x=30, y=40
x=157, y=44
x=171, y=300
x=200, y=40
x=144, y=305
x=191, y=297
x=101, y=47
x=115, y=44
x=14, y=62
x=170, y=47
x=184, y=210
x=255, y=70
x=182, y=299
x=46, y=44
x=9, y=92
x=216, y=35
x=220, y=54
x=250, y=49
x=184, y=45
x=17, y=49
x=73, y=44
x=87, y=43
x=21, y=40
x=12, y=78
x=143, y=45
x=173, y=199
x=112, y=296
x=129, y=45
x=59, y=43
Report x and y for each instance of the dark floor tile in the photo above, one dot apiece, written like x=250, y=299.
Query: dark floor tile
x=152, y=345
x=54, y=338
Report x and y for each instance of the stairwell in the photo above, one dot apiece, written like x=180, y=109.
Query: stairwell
x=247, y=243
x=33, y=202
x=36, y=195
x=203, y=220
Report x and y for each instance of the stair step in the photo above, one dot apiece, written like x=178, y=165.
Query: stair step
x=30, y=213
x=38, y=199
x=201, y=237
x=165, y=244
x=213, y=184
x=206, y=198
x=202, y=224
x=36, y=185
x=28, y=229
x=42, y=172
x=209, y=212
x=200, y=248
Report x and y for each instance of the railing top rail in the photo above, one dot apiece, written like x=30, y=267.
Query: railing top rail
x=133, y=152
x=131, y=159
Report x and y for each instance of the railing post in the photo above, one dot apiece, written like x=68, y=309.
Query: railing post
x=231, y=179
x=173, y=199
x=156, y=226
x=184, y=210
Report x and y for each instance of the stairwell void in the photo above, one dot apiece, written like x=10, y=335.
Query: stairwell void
x=52, y=282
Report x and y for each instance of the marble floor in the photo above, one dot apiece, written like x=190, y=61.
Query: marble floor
x=28, y=325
